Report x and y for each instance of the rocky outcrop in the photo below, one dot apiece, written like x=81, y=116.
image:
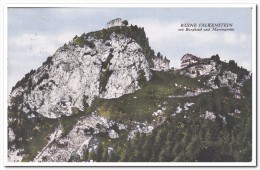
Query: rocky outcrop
x=60, y=148
x=78, y=72
x=161, y=64
x=202, y=69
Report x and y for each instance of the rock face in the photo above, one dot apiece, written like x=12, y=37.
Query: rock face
x=61, y=148
x=103, y=64
x=161, y=64
x=219, y=74
x=78, y=72
x=202, y=69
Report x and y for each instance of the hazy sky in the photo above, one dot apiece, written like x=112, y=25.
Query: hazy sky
x=35, y=33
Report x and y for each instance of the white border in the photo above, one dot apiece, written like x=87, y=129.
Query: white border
x=138, y=4
x=254, y=83
x=2, y=72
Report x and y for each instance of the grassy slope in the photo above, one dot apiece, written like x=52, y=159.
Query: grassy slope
x=193, y=137
x=139, y=106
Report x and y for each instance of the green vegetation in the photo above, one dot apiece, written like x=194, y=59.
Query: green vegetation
x=81, y=41
x=141, y=79
x=68, y=122
x=38, y=137
x=48, y=62
x=105, y=73
x=65, y=46
x=233, y=67
x=44, y=76
x=191, y=138
x=215, y=58
x=140, y=105
x=134, y=32
x=125, y=22
x=184, y=137
x=31, y=134
x=26, y=80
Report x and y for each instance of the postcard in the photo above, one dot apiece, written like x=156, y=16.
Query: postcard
x=130, y=85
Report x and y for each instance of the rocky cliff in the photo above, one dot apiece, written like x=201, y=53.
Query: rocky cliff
x=104, y=64
x=80, y=71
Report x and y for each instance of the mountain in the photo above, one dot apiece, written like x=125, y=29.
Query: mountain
x=105, y=96
x=75, y=74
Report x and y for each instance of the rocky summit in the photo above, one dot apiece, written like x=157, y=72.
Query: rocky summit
x=74, y=75
x=106, y=96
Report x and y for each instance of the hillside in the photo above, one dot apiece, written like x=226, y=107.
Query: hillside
x=99, y=98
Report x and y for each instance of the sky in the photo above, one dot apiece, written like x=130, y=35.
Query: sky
x=36, y=33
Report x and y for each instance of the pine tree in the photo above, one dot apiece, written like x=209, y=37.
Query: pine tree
x=163, y=156
x=148, y=148
x=99, y=152
x=104, y=156
x=159, y=141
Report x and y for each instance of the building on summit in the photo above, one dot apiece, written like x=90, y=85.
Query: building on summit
x=188, y=59
x=115, y=22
